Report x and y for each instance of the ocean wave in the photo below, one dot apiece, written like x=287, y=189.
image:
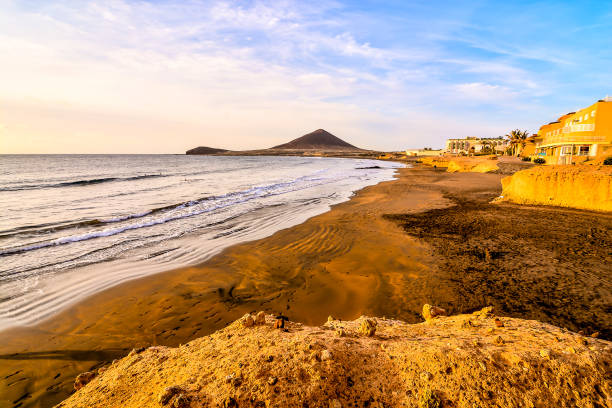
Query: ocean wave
x=49, y=227
x=33, y=230
x=77, y=183
x=173, y=211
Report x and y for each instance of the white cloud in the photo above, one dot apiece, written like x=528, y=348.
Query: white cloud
x=484, y=92
x=179, y=74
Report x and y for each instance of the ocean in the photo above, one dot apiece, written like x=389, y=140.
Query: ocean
x=73, y=225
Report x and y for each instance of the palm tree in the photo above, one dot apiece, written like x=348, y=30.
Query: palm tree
x=517, y=137
x=488, y=147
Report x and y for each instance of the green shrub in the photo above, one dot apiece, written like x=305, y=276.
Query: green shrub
x=608, y=161
x=526, y=158
x=539, y=160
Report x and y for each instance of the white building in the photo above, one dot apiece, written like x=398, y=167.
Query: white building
x=476, y=145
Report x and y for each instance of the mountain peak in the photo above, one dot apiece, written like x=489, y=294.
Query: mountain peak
x=320, y=139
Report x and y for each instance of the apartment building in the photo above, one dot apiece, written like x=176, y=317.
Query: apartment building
x=586, y=132
x=476, y=145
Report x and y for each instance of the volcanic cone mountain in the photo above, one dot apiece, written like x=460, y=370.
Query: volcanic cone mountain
x=318, y=140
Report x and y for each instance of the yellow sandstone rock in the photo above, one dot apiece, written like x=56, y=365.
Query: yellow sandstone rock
x=266, y=367
x=430, y=312
x=83, y=379
x=483, y=164
x=454, y=164
x=368, y=327
x=247, y=320
x=577, y=186
x=260, y=318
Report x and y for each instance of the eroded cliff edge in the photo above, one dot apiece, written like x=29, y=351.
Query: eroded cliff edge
x=579, y=186
x=475, y=360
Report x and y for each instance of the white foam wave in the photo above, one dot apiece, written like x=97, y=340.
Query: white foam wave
x=206, y=205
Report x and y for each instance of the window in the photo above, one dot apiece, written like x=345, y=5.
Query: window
x=583, y=151
x=593, y=114
x=586, y=116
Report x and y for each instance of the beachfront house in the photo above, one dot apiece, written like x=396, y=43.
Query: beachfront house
x=476, y=145
x=577, y=135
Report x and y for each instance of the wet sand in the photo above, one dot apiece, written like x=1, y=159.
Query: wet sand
x=386, y=252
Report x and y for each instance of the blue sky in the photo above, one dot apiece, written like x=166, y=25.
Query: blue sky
x=163, y=76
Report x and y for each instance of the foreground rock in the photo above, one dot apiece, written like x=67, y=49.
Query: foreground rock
x=457, y=361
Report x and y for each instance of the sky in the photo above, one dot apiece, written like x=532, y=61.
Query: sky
x=163, y=76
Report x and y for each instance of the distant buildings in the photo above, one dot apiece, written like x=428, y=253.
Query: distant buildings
x=573, y=137
x=586, y=132
x=476, y=145
x=424, y=152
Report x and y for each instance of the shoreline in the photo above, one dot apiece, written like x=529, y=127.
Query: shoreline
x=18, y=342
x=81, y=302
x=354, y=259
x=253, y=217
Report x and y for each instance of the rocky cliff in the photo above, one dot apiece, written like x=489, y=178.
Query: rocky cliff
x=453, y=164
x=475, y=360
x=578, y=186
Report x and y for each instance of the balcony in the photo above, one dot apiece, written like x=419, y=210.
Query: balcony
x=572, y=138
x=585, y=127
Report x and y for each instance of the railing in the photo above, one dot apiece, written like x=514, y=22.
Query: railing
x=569, y=138
x=585, y=127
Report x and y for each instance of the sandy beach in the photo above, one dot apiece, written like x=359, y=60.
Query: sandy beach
x=427, y=237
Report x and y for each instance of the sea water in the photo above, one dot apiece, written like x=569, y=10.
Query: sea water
x=72, y=225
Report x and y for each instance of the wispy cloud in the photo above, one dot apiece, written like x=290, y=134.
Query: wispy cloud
x=484, y=92
x=254, y=73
